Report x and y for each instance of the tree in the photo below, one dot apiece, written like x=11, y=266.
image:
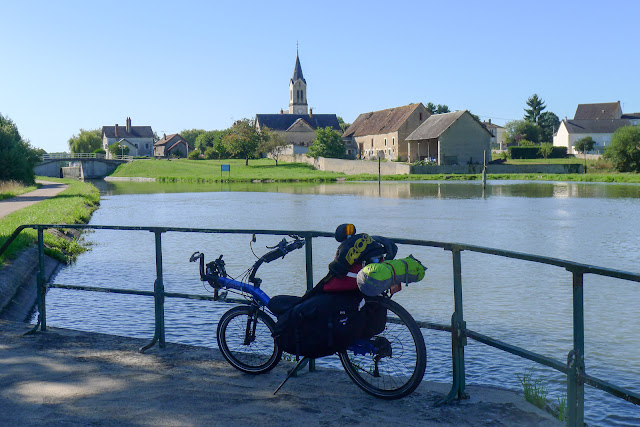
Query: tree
x=272, y=143
x=343, y=125
x=549, y=124
x=328, y=143
x=624, y=150
x=242, y=140
x=212, y=139
x=87, y=141
x=518, y=130
x=437, y=109
x=536, y=106
x=546, y=149
x=190, y=135
x=17, y=157
x=583, y=145
x=118, y=149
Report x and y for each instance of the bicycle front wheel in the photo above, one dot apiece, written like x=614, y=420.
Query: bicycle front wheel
x=397, y=358
x=245, y=340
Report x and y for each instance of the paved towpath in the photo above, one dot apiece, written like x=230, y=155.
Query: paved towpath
x=48, y=189
x=64, y=377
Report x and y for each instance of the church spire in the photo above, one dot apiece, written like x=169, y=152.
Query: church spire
x=297, y=70
x=298, y=89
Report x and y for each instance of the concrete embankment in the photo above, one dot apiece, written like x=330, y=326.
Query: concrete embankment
x=18, y=284
x=68, y=377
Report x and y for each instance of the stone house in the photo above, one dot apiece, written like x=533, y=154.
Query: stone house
x=450, y=139
x=599, y=121
x=140, y=138
x=497, y=134
x=383, y=133
x=171, y=146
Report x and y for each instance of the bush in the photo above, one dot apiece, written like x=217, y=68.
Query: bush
x=194, y=155
x=17, y=157
x=624, y=152
x=99, y=151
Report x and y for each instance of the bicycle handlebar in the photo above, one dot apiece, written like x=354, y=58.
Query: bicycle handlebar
x=282, y=249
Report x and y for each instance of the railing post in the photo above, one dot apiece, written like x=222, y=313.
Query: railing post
x=41, y=291
x=158, y=290
x=308, y=251
x=575, y=360
x=458, y=336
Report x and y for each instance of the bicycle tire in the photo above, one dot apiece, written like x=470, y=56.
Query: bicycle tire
x=399, y=374
x=261, y=354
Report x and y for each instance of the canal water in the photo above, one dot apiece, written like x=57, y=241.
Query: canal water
x=521, y=303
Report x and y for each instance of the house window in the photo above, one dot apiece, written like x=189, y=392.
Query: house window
x=393, y=142
x=421, y=116
x=371, y=142
x=385, y=142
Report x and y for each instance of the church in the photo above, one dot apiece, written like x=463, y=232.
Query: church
x=298, y=125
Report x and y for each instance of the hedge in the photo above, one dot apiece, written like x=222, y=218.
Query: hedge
x=534, y=152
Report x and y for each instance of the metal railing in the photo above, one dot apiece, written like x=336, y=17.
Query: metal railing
x=574, y=368
x=73, y=156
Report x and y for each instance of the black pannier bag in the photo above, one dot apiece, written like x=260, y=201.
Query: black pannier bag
x=325, y=323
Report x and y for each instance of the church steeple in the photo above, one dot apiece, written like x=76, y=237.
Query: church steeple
x=298, y=90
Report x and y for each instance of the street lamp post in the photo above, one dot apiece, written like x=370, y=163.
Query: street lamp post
x=418, y=151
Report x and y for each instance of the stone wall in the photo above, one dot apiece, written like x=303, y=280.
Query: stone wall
x=350, y=167
x=354, y=167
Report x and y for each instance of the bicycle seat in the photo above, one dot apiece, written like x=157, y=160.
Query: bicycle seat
x=281, y=303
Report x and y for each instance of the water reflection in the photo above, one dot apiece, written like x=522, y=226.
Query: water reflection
x=399, y=190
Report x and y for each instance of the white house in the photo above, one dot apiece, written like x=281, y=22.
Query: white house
x=599, y=121
x=139, y=138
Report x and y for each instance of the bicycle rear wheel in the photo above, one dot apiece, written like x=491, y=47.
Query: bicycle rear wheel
x=396, y=363
x=245, y=340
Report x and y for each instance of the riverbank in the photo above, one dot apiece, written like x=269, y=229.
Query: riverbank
x=265, y=170
x=80, y=378
x=72, y=206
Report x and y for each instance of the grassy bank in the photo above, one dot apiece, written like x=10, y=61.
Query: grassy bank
x=9, y=189
x=209, y=171
x=264, y=170
x=74, y=205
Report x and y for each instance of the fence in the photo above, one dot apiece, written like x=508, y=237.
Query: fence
x=574, y=369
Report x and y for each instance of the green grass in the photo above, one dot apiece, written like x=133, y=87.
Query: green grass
x=535, y=391
x=209, y=171
x=9, y=189
x=73, y=205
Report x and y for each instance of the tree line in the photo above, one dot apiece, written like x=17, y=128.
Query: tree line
x=17, y=156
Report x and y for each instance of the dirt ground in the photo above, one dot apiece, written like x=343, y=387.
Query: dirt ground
x=63, y=377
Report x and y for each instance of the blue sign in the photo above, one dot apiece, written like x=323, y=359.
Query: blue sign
x=225, y=168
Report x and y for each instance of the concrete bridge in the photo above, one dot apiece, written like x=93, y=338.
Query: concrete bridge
x=78, y=165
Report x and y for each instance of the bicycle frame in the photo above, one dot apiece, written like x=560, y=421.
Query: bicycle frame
x=257, y=294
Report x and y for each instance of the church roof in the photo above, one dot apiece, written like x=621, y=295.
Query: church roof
x=282, y=122
x=383, y=121
x=604, y=110
x=297, y=71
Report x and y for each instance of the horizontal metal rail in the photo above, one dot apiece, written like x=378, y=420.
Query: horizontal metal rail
x=574, y=368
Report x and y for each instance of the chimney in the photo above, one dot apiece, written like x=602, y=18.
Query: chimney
x=129, y=124
x=489, y=121
x=311, y=112
x=116, y=130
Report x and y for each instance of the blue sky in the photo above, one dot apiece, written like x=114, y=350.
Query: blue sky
x=173, y=65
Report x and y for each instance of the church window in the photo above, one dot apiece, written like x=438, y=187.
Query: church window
x=371, y=142
x=420, y=116
x=393, y=142
x=385, y=142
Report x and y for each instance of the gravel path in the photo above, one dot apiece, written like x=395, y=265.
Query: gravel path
x=48, y=189
x=64, y=377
